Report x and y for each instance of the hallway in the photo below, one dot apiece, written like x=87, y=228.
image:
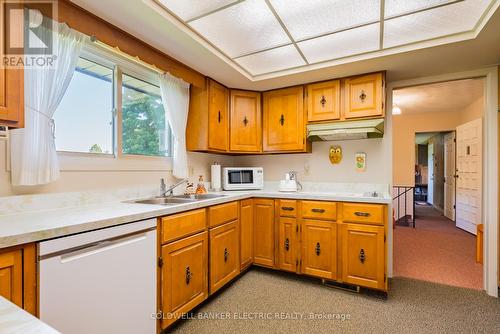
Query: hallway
x=436, y=251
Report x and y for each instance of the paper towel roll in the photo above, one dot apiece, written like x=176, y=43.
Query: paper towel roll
x=216, y=177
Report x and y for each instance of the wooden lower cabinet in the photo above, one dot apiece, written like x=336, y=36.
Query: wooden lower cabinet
x=184, y=282
x=264, y=230
x=18, y=276
x=288, y=244
x=319, y=249
x=363, y=255
x=224, y=255
x=246, y=233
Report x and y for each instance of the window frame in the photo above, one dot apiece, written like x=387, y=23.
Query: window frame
x=117, y=161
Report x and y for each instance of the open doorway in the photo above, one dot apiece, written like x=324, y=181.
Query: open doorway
x=438, y=162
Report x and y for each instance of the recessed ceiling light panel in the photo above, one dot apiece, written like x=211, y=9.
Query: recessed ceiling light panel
x=305, y=19
x=244, y=28
x=398, y=7
x=342, y=44
x=189, y=9
x=272, y=60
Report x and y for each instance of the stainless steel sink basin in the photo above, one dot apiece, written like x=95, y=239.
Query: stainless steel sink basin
x=164, y=201
x=199, y=197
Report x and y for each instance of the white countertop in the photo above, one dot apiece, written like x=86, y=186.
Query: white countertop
x=26, y=227
x=15, y=320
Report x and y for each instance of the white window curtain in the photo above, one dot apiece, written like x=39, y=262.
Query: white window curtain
x=33, y=152
x=175, y=98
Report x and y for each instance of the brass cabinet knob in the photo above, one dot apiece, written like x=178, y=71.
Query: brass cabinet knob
x=362, y=96
x=226, y=254
x=322, y=101
x=318, y=248
x=282, y=120
x=287, y=244
x=362, y=256
x=189, y=275
x=245, y=121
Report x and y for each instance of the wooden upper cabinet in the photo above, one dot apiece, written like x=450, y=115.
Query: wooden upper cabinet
x=245, y=121
x=263, y=212
x=208, y=119
x=284, y=121
x=364, y=96
x=11, y=86
x=323, y=101
x=363, y=255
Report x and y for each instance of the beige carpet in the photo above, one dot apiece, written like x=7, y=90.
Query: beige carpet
x=412, y=307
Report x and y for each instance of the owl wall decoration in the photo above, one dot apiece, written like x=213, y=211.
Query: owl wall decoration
x=335, y=154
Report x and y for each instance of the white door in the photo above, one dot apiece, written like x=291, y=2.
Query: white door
x=430, y=173
x=469, y=173
x=449, y=175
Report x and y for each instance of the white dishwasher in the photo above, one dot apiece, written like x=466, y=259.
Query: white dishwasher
x=103, y=281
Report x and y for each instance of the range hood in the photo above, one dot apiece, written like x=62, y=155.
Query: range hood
x=361, y=129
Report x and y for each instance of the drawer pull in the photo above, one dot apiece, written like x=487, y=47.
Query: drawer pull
x=362, y=256
x=362, y=214
x=286, y=208
x=318, y=210
x=226, y=254
x=318, y=249
x=189, y=275
x=287, y=244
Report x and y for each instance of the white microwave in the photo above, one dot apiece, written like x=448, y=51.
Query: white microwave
x=238, y=178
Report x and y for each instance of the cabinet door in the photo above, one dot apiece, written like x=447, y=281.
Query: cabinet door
x=246, y=233
x=184, y=276
x=284, y=121
x=224, y=255
x=11, y=84
x=288, y=244
x=263, y=250
x=11, y=276
x=364, y=96
x=217, y=117
x=246, y=122
x=363, y=255
x=323, y=101
x=319, y=249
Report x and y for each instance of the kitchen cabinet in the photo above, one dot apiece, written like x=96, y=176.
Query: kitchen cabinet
x=363, y=255
x=18, y=276
x=323, y=101
x=224, y=255
x=264, y=232
x=245, y=122
x=222, y=213
x=246, y=233
x=284, y=121
x=364, y=96
x=11, y=86
x=287, y=207
x=184, y=282
x=182, y=224
x=208, y=118
x=319, y=249
x=288, y=244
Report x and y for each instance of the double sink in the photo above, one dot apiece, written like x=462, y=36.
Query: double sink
x=174, y=200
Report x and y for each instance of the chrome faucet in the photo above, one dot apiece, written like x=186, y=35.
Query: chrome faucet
x=170, y=190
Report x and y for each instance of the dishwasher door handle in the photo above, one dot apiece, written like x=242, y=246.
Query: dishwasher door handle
x=101, y=247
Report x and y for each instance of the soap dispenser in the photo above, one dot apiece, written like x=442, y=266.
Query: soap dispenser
x=200, y=189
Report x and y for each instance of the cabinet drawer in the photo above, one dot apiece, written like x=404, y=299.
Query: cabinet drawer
x=223, y=213
x=363, y=213
x=224, y=255
x=182, y=224
x=319, y=210
x=288, y=208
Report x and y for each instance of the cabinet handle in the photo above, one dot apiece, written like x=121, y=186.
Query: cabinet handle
x=317, y=248
x=322, y=101
x=362, y=96
x=287, y=244
x=226, y=254
x=245, y=121
x=219, y=117
x=189, y=275
x=362, y=214
x=282, y=120
x=286, y=208
x=362, y=256
x=318, y=210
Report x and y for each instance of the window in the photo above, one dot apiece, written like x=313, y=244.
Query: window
x=144, y=128
x=86, y=121
x=84, y=118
